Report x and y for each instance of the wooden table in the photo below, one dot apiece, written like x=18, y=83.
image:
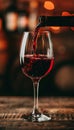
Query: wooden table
x=61, y=110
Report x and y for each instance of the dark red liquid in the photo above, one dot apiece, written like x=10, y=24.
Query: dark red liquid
x=37, y=66
x=35, y=36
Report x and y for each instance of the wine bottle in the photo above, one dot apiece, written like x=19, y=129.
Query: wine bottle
x=56, y=21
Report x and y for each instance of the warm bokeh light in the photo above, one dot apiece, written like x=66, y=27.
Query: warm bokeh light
x=22, y=21
x=3, y=44
x=11, y=21
x=0, y=23
x=33, y=4
x=3, y=53
x=72, y=28
x=66, y=13
x=64, y=77
x=32, y=21
x=49, y=5
x=55, y=29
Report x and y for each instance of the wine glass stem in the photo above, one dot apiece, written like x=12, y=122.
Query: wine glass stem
x=36, y=88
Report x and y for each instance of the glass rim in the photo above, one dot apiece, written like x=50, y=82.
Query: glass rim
x=39, y=32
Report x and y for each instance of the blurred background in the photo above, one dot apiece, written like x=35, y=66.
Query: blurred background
x=17, y=16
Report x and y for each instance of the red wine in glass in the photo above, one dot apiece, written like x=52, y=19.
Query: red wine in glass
x=37, y=66
x=37, y=60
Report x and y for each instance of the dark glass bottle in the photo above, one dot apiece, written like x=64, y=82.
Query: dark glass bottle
x=11, y=17
x=56, y=21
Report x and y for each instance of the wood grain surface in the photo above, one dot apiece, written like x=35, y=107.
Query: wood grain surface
x=61, y=110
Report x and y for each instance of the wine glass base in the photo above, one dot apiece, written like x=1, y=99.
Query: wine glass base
x=36, y=118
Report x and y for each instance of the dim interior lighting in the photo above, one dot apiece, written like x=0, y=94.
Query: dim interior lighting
x=61, y=50
x=66, y=13
x=49, y=5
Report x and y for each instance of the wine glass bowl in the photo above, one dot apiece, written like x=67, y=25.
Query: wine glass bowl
x=36, y=59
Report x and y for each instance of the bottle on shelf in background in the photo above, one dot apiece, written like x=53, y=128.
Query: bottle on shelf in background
x=23, y=19
x=11, y=17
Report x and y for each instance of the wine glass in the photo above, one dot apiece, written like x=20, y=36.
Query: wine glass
x=36, y=59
